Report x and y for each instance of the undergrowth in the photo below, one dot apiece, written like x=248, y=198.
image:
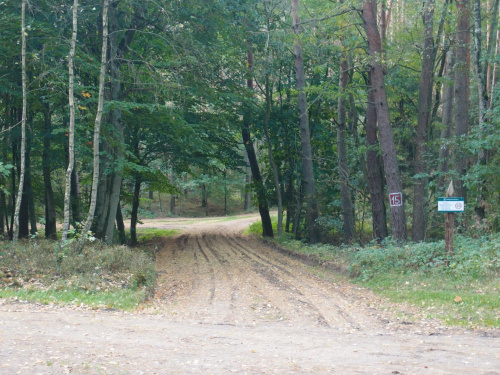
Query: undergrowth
x=99, y=276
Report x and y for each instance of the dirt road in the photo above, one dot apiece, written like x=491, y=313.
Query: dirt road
x=231, y=304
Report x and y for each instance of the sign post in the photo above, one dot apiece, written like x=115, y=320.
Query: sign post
x=450, y=206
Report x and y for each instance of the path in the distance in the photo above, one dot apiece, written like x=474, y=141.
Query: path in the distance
x=228, y=303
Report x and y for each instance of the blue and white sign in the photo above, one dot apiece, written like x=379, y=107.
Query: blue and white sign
x=451, y=205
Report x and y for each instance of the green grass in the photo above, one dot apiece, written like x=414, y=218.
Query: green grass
x=462, y=289
x=475, y=303
x=118, y=299
x=148, y=234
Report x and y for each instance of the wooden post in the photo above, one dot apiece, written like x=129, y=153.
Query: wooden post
x=449, y=223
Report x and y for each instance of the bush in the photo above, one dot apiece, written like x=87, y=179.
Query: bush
x=472, y=258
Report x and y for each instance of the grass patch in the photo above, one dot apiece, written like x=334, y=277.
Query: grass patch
x=149, y=234
x=473, y=303
x=101, y=276
x=117, y=299
x=463, y=289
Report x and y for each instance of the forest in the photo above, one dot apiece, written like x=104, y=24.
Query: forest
x=346, y=118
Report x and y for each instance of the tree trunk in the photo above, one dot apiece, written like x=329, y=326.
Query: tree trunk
x=28, y=182
x=120, y=225
x=305, y=138
x=13, y=182
x=374, y=171
x=480, y=75
x=135, y=210
x=267, y=227
x=71, y=133
x=4, y=220
x=50, y=207
x=492, y=43
x=172, y=197
x=446, y=119
x=204, y=197
x=289, y=193
x=274, y=168
x=462, y=68
x=298, y=209
x=75, y=197
x=347, y=209
x=424, y=104
x=97, y=125
x=15, y=234
x=391, y=168
x=248, y=176
x=109, y=194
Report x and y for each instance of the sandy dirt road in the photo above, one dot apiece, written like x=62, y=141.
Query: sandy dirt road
x=226, y=303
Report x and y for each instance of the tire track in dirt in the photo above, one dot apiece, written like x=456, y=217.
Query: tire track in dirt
x=241, y=279
x=211, y=270
x=228, y=286
x=300, y=286
x=247, y=281
x=267, y=270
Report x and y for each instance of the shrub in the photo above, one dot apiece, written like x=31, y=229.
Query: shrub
x=472, y=258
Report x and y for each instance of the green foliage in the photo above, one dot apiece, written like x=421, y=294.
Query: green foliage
x=472, y=258
x=4, y=172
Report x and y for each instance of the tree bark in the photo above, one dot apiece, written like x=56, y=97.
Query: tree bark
x=172, y=197
x=248, y=176
x=113, y=143
x=305, y=138
x=347, y=209
x=28, y=181
x=110, y=192
x=462, y=68
x=75, y=197
x=424, y=104
x=135, y=209
x=71, y=133
x=274, y=168
x=375, y=172
x=446, y=119
x=97, y=125
x=492, y=43
x=50, y=207
x=120, y=225
x=480, y=75
x=391, y=168
x=23, y=123
x=267, y=227
x=4, y=220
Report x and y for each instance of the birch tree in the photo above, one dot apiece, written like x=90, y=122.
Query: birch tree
x=23, y=123
x=97, y=125
x=71, y=133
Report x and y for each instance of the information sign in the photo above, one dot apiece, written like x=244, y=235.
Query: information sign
x=451, y=205
x=395, y=199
